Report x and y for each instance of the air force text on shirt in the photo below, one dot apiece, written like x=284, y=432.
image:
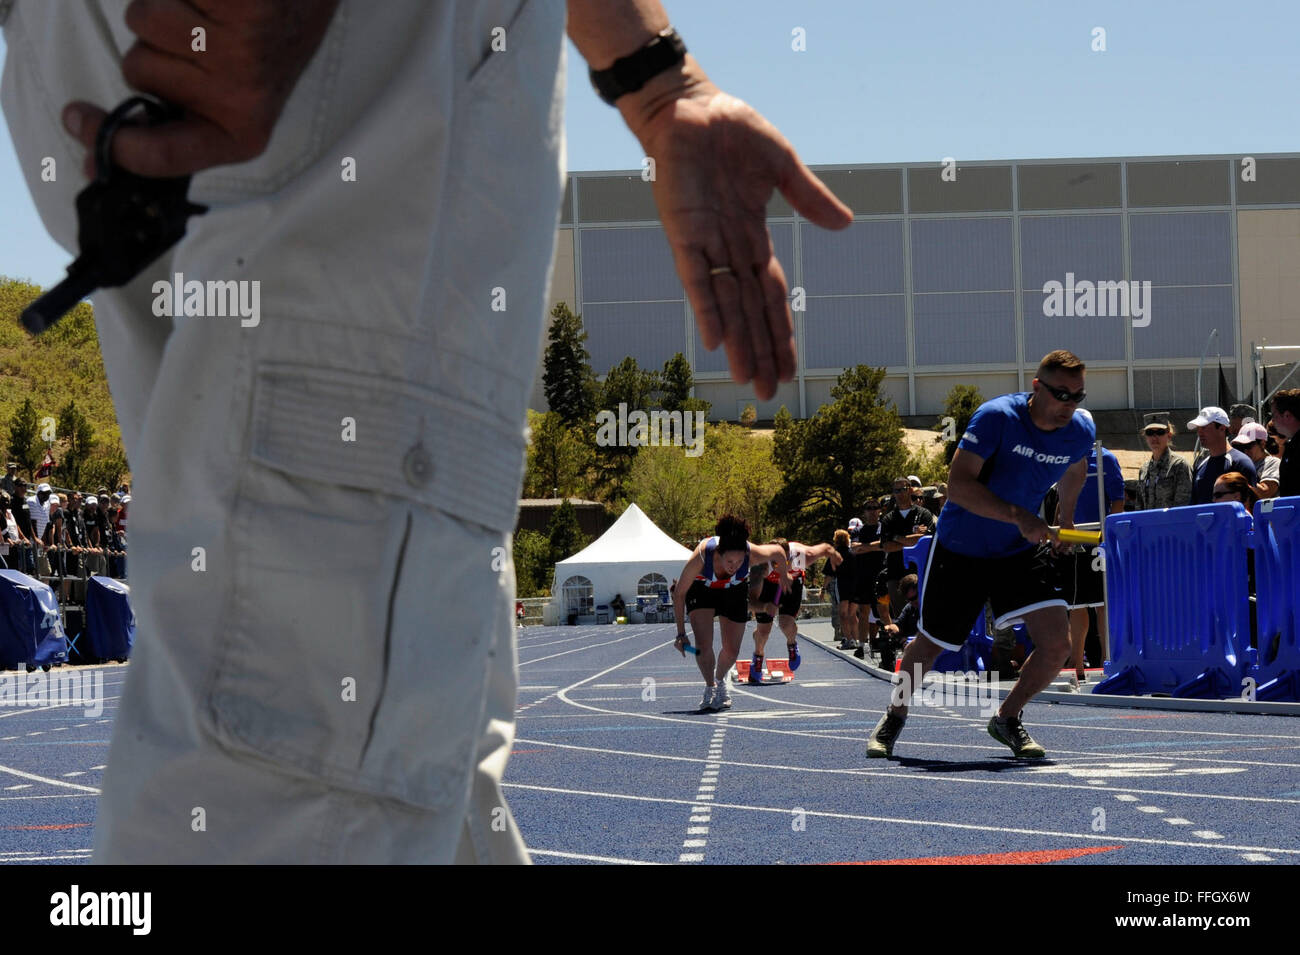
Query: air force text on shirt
x=1027, y=451
x=1040, y=456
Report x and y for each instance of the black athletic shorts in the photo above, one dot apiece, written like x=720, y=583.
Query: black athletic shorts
x=792, y=599
x=1081, y=585
x=729, y=602
x=954, y=588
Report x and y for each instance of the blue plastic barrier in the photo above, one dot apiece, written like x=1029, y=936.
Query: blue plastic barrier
x=110, y=621
x=1178, y=603
x=31, y=632
x=1277, y=601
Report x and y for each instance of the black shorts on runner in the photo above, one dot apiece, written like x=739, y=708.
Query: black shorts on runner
x=729, y=602
x=792, y=599
x=954, y=588
x=1081, y=586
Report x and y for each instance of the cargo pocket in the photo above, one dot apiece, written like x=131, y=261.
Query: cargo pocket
x=353, y=652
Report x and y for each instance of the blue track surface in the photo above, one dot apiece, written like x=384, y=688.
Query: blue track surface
x=603, y=772
x=51, y=767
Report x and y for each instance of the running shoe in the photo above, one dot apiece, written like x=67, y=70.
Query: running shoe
x=706, y=704
x=795, y=659
x=756, y=670
x=1011, y=732
x=722, y=696
x=860, y=653
x=881, y=742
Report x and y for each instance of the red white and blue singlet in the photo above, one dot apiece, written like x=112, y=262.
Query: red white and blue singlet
x=706, y=576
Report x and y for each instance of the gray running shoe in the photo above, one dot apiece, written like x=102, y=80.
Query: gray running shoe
x=1011, y=732
x=881, y=742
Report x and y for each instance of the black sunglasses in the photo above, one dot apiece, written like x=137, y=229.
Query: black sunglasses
x=1060, y=394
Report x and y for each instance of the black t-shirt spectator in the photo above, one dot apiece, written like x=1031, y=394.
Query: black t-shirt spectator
x=22, y=516
x=1289, y=474
x=900, y=524
x=74, y=528
x=53, y=530
x=872, y=562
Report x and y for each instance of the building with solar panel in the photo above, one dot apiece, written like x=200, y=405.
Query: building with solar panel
x=942, y=275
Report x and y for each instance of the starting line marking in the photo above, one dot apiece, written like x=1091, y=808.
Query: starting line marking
x=856, y=817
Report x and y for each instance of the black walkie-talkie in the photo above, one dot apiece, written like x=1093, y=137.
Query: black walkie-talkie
x=124, y=221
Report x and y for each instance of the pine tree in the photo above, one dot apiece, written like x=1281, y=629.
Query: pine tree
x=567, y=376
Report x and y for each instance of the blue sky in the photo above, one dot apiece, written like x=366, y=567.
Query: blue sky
x=924, y=79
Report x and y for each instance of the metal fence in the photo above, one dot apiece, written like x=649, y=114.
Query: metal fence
x=814, y=605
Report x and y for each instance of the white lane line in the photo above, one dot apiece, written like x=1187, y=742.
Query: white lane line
x=1148, y=809
x=857, y=739
x=856, y=817
x=584, y=649
x=587, y=858
x=99, y=767
x=931, y=777
x=80, y=772
x=1176, y=821
x=19, y=786
x=1206, y=834
x=707, y=787
x=1256, y=857
x=45, y=779
x=53, y=706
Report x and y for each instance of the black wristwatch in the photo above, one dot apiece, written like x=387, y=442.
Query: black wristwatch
x=630, y=73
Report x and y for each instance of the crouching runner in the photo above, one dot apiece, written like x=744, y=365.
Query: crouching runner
x=719, y=569
x=771, y=596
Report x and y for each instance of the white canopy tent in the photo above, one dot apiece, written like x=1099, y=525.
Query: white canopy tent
x=633, y=556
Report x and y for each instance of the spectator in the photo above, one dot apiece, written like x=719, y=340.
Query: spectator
x=1251, y=439
x=1235, y=486
x=1081, y=574
x=870, y=560
x=941, y=497
x=39, y=506
x=1238, y=415
x=853, y=593
x=74, y=529
x=894, y=636
x=23, y=516
x=1166, y=479
x=1286, y=419
x=11, y=538
x=7, y=482
x=1212, y=428
x=831, y=576
x=95, y=537
x=903, y=526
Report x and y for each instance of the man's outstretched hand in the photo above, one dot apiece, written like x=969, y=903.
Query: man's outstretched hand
x=232, y=91
x=717, y=162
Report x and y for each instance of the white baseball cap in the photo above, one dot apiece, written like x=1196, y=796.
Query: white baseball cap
x=42, y=487
x=1250, y=433
x=855, y=524
x=1210, y=415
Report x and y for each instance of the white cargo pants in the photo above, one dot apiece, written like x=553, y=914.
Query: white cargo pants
x=324, y=491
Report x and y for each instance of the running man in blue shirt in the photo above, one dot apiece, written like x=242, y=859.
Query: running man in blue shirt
x=992, y=546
